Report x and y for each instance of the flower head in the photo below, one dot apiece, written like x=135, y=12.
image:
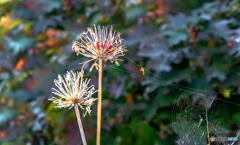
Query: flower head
x=73, y=90
x=100, y=44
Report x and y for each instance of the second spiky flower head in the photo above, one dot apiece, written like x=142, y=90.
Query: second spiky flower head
x=100, y=43
x=72, y=90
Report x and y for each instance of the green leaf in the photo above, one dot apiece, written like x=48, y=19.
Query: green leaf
x=174, y=37
x=133, y=12
x=179, y=21
x=145, y=134
x=95, y=19
x=18, y=45
x=153, y=105
x=7, y=114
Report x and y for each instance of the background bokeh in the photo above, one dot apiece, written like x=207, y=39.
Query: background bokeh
x=190, y=43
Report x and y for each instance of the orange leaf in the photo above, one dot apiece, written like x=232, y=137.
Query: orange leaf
x=52, y=38
x=193, y=34
x=162, y=7
x=50, y=33
x=211, y=42
x=229, y=44
x=130, y=98
x=21, y=63
x=3, y=133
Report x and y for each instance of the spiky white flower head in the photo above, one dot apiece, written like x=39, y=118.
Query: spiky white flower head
x=73, y=90
x=100, y=43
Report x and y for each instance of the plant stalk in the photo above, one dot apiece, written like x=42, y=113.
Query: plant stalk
x=99, y=102
x=207, y=120
x=80, y=125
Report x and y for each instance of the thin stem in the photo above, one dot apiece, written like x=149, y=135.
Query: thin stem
x=80, y=125
x=207, y=120
x=99, y=102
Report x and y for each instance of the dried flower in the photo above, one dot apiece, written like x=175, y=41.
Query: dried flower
x=73, y=90
x=100, y=44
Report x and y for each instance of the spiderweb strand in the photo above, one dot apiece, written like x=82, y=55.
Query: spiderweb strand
x=176, y=86
x=212, y=100
x=236, y=137
x=217, y=132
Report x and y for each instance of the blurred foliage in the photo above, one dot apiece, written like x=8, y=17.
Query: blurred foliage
x=192, y=43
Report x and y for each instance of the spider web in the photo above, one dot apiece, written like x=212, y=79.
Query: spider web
x=190, y=120
x=190, y=110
